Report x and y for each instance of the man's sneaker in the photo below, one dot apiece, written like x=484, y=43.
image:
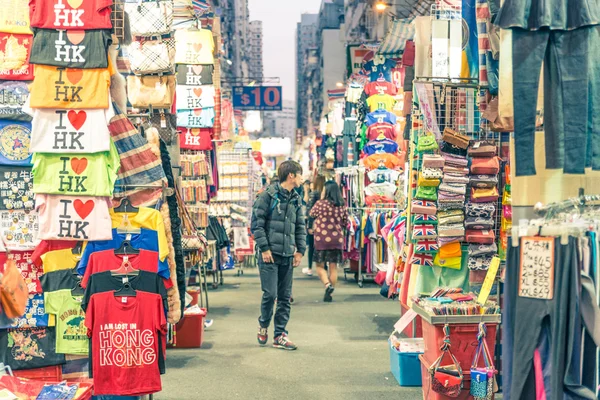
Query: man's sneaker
x=208, y=323
x=328, y=292
x=307, y=271
x=282, y=342
x=263, y=336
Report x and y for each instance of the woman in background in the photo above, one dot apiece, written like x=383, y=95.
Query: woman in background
x=314, y=196
x=330, y=220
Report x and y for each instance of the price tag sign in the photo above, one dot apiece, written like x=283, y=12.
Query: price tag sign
x=261, y=98
x=536, y=276
x=490, y=277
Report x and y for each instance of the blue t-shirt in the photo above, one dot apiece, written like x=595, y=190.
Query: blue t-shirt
x=147, y=239
x=380, y=146
x=15, y=139
x=380, y=71
x=201, y=118
x=379, y=117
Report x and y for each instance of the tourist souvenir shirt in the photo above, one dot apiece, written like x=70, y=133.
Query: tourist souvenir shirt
x=107, y=260
x=387, y=160
x=70, y=14
x=28, y=348
x=14, y=16
x=16, y=188
x=379, y=130
x=384, y=175
x=147, y=218
x=119, y=323
x=195, y=138
x=58, y=260
x=13, y=96
x=46, y=246
x=15, y=63
x=193, y=97
x=71, y=49
x=380, y=116
x=381, y=102
x=70, y=131
x=199, y=118
x=58, y=88
x=386, y=189
x=380, y=70
x=31, y=273
x=195, y=46
x=195, y=75
x=19, y=229
x=15, y=138
x=380, y=87
x=76, y=174
x=73, y=217
x=380, y=146
x=71, y=332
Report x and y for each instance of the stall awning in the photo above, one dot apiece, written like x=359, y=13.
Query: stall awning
x=395, y=40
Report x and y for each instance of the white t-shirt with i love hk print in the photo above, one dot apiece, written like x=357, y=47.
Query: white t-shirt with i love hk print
x=193, y=97
x=69, y=131
x=73, y=217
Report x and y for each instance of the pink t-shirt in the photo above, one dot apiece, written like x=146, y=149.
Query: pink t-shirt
x=73, y=217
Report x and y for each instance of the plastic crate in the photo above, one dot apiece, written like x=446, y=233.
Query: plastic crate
x=405, y=367
x=46, y=374
x=190, y=331
x=463, y=339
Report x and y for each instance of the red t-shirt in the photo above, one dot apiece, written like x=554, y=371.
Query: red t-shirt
x=380, y=87
x=124, y=333
x=107, y=260
x=387, y=130
x=49, y=245
x=70, y=14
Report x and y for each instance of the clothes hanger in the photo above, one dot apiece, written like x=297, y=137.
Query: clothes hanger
x=126, y=248
x=126, y=207
x=125, y=269
x=77, y=249
x=126, y=290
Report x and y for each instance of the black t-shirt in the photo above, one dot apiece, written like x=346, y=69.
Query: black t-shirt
x=59, y=280
x=28, y=348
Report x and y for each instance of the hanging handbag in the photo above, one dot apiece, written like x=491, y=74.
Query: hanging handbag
x=155, y=91
x=484, y=181
x=481, y=237
x=483, y=210
x=455, y=138
x=485, y=166
x=449, y=148
x=423, y=207
x=14, y=293
x=433, y=161
x=497, y=123
x=482, y=379
x=152, y=18
x=152, y=56
x=446, y=380
x=432, y=173
x=423, y=181
x=426, y=143
x=451, y=262
x=484, y=195
x=482, y=149
x=426, y=193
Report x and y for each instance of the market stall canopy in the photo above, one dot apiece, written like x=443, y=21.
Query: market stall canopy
x=395, y=40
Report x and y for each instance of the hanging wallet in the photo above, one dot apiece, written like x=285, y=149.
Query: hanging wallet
x=485, y=166
x=451, y=219
x=423, y=181
x=451, y=230
x=432, y=173
x=484, y=181
x=433, y=161
x=427, y=143
x=443, y=241
x=478, y=250
x=456, y=179
x=452, y=262
x=455, y=138
x=484, y=195
x=479, y=223
x=455, y=161
x=426, y=246
x=483, y=210
x=420, y=232
x=423, y=207
x=450, y=250
x=449, y=169
x=426, y=193
x=482, y=237
x=421, y=219
x=454, y=188
x=482, y=149
x=452, y=149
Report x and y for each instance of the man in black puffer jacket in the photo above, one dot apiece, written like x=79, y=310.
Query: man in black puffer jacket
x=279, y=230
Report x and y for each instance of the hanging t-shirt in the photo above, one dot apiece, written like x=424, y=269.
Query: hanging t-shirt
x=58, y=88
x=71, y=15
x=379, y=130
x=119, y=323
x=380, y=117
x=354, y=93
x=384, y=175
x=147, y=239
x=194, y=97
x=57, y=260
x=194, y=46
x=71, y=49
x=15, y=61
x=381, y=146
x=19, y=229
x=59, y=279
x=147, y=218
x=13, y=96
x=70, y=131
x=16, y=188
x=46, y=246
x=386, y=189
x=381, y=102
x=33, y=317
x=14, y=16
x=29, y=348
x=380, y=87
x=30, y=272
x=195, y=138
x=199, y=118
x=378, y=71
x=15, y=139
x=195, y=75
x=73, y=217
x=374, y=161
x=78, y=175
x=71, y=332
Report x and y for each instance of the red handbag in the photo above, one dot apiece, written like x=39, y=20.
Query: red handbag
x=485, y=166
x=481, y=237
x=448, y=379
x=195, y=138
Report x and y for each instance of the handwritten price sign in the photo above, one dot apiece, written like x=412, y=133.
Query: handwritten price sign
x=536, y=277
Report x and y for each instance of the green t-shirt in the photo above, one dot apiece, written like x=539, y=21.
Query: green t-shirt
x=71, y=332
x=76, y=174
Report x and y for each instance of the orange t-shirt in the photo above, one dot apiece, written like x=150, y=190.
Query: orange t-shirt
x=391, y=161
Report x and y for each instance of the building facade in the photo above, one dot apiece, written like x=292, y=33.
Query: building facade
x=306, y=41
x=255, y=51
x=281, y=123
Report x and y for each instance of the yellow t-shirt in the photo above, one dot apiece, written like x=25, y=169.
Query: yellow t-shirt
x=194, y=46
x=14, y=16
x=381, y=102
x=68, y=88
x=147, y=218
x=60, y=259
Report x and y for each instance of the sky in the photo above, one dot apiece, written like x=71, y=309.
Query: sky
x=279, y=19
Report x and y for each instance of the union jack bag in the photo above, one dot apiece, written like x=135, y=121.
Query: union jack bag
x=424, y=232
x=419, y=219
x=427, y=246
x=422, y=259
x=423, y=207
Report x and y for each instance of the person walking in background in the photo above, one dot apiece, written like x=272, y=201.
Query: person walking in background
x=314, y=196
x=279, y=229
x=330, y=220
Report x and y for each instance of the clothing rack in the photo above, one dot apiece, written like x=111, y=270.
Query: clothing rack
x=550, y=210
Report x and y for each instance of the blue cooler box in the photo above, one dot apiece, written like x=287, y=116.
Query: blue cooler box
x=405, y=367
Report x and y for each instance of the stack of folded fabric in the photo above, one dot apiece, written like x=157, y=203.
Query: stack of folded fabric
x=481, y=209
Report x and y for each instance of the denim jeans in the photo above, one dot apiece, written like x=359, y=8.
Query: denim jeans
x=566, y=56
x=310, y=241
x=276, y=283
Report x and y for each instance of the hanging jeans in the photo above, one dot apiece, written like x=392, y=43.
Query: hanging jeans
x=525, y=320
x=566, y=56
